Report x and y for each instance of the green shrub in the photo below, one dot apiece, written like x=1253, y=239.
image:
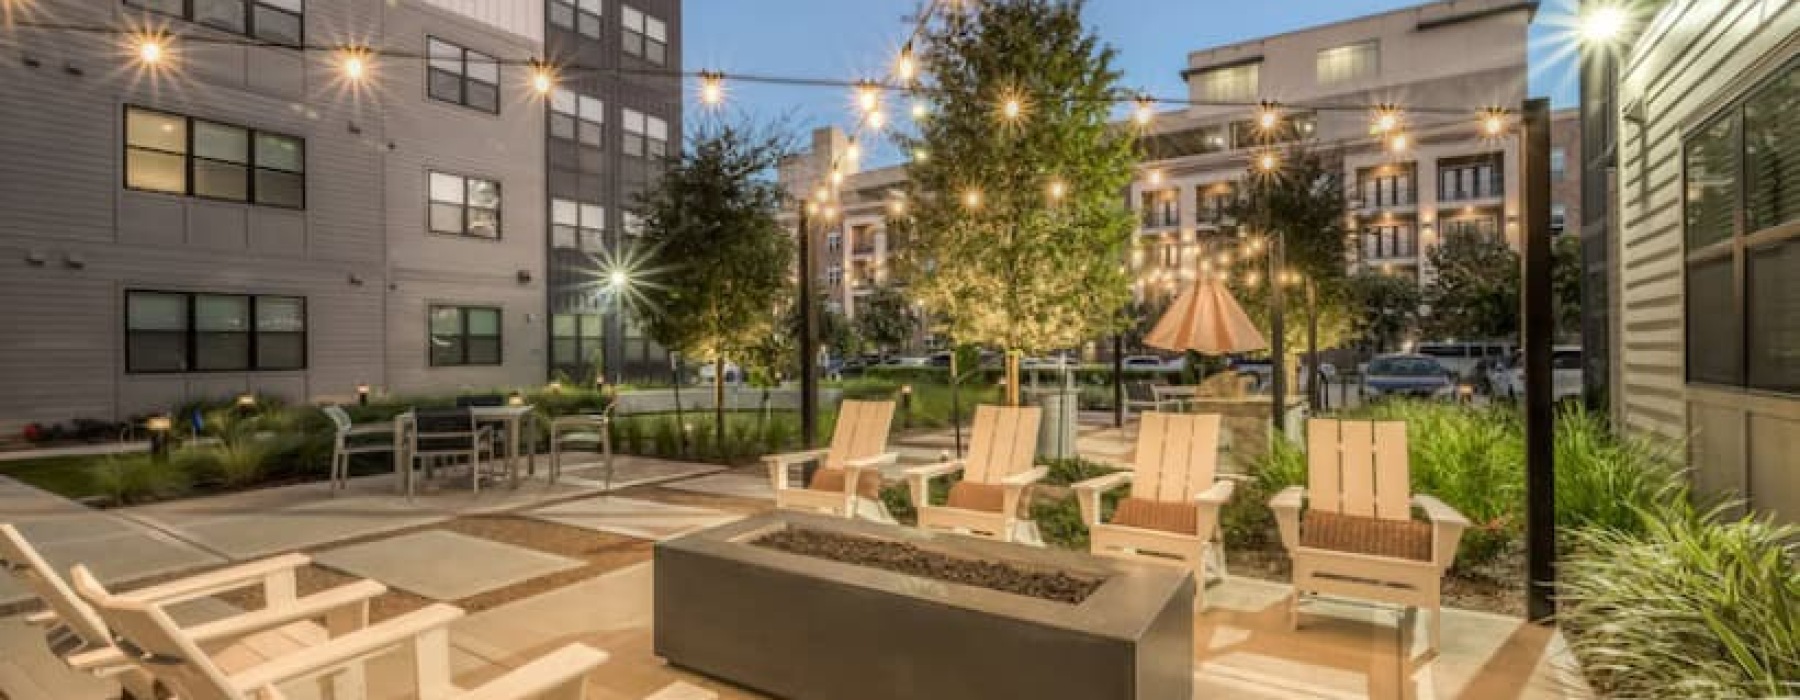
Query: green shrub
x=779, y=432
x=138, y=478
x=1059, y=523
x=1604, y=481
x=628, y=435
x=1074, y=470
x=1690, y=605
x=1246, y=519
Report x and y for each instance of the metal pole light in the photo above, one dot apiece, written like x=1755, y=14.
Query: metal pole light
x=1277, y=334
x=1537, y=324
x=809, y=337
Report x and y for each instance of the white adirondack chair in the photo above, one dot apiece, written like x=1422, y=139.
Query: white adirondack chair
x=996, y=471
x=1357, y=536
x=81, y=638
x=848, y=481
x=1172, y=514
x=176, y=659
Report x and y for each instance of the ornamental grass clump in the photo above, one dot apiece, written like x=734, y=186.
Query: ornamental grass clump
x=1694, y=604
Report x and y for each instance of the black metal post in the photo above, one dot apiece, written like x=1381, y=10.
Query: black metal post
x=1313, y=401
x=1537, y=324
x=1119, y=380
x=1278, y=335
x=809, y=338
x=956, y=401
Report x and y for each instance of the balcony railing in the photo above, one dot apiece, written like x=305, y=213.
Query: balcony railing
x=1157, y=218
x=1492, y=189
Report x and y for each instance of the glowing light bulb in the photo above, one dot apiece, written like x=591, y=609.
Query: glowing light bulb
x=897, y=207
x=906, y=67
x=542, y=82
x=837, y=178
x=1156, y=177
x=972, y=199
x=151, y=49
x=1267, y=162
x=1011, y=108
x=1146, y=111
x=1493, y=123
x=1386, y=120
x=1268, y=117
x=618, y=278
x=712, y=89
x=868, y=96
x=921, y=155
x=877, y=120
x=1603, y=24
x=920, y=110
x=853, y=151
x=1399, y=142
x=354, y=66
x=1058, y=189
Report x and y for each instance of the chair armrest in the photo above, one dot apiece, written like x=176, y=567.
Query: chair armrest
x=1217, y=495
x=311, y=607
x=578, y=421
x=1087, y=493
x=42, y=618
x=202, y=585
x=1286, y=505
x=1447, y=526
x=342, y=650
x=563, y=666
x=779, y=463
x=370, y=429
x=920, y=479
x=1015, y=488
x=872, y=461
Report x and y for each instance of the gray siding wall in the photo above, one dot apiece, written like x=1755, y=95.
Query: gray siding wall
x=1691, y=61
x=73, y=239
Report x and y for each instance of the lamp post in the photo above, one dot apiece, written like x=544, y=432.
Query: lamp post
x=159, y=427
x=1536, y=326
x=362, y=394
x=809, y=334
x=1277, y=334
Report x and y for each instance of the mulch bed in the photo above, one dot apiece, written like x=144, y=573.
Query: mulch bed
x=914, y=561
x=1497, y=588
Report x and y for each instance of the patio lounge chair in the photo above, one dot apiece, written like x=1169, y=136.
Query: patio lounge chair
x=176, y=659
x=450, y=432
x=80, y=637
x=1357, y=536
x=996, y=471
x=582, y=429
x=848, y=480
x=1172, y=514
x=347, y=444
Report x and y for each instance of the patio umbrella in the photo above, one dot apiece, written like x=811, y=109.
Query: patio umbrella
x=1207, y=320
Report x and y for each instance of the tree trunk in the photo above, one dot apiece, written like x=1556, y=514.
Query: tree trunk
x=719, y=404
x=1012, y=377
x=1313, y=391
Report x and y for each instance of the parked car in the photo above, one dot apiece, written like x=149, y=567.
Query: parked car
x=1565, y=375
x=733, y=374
x=1148, y=363
x=907, y=361
x=939, y=359
x=1463, y=358
x=1416, y=376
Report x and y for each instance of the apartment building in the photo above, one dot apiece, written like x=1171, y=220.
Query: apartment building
x=243, y=216
x=1450, y=180
x=1707, y=304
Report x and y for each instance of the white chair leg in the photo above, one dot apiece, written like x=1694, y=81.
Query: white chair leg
x=1437, y=628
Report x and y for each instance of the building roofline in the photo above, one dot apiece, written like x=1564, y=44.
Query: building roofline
x=1529, y=6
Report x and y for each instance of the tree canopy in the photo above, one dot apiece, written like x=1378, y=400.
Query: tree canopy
x=1017, y=220
x=1475, y=293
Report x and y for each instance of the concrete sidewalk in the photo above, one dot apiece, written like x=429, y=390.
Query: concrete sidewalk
x=117, y=548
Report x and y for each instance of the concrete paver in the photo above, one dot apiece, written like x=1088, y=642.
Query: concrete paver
x=116, y=549
x=633, y=517
x=443, y=565
x=735, y=485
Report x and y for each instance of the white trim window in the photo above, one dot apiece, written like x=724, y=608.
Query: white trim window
x=645, y=37
x=460, y=76
x=464, y=206
x=577, y=117
x=577, y=225
x=1230, y=83
x=645, y=136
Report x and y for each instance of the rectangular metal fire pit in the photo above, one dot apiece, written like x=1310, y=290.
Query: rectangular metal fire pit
x=803, y=627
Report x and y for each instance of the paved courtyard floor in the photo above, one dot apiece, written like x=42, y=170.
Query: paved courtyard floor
x=540, y=566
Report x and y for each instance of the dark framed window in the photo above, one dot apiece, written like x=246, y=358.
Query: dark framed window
x=464, y=206
x=645, y=37
x=645, y=136
x=577, y=16
x=463, y=77
x=276, y=21
x=201, y=332
x=183, y=155
x=576, y=340
x=577, y=225
x=577, y=117
x=1741, y=227
x=464, y=335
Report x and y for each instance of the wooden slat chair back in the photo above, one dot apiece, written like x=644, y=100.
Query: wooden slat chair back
x=1351, y=530
x=1358, y=468
x=1172, y=513
x=146, y=631
x=18, y=555
x=1002, y=443
x=1177, y=456
x=996, y=470
x=861, y=432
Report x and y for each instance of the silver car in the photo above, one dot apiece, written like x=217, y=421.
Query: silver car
x=1415, y=376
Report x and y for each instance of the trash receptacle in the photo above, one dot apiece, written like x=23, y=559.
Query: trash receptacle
x=1056, y=432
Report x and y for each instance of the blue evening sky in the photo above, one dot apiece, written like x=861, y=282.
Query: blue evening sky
x=848, y=39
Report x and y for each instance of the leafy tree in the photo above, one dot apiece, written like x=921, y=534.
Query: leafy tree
x=996, y=256
x=885, y=319
x=1476, y=292
x=1384, y=308
x=1565, y=284
x=722, y=260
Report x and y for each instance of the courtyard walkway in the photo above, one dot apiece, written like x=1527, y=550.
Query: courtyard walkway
x=542, y=566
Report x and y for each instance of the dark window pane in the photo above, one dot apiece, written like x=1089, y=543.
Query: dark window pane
x=1714, y=336
x=562, y=126
x=590, y=133
x=445, y=86
x=1772, y=152
x=170, y=7
x=280, y=314
x=221, y=351
x=563, y=351
x=280, y=189
x=280, y=152
x=1774, y=317
x=277, y=26
x=446, y=320
x=483, y=96
x=590, y=26
x=221, y=313
x=562, y=15
x=224, y=14
x=157, y=172
x=484, y=223
x=1712, y=190
x=280, y=351
x=221, y=180
x=446, y=350
x=484, y=350
x=156, y=351
x=634, y=145
x=151, y=311
x=221, y=142
x=654, y=51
